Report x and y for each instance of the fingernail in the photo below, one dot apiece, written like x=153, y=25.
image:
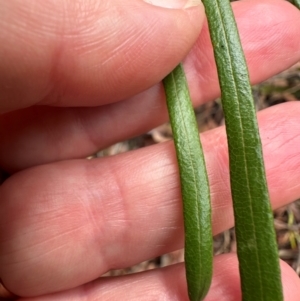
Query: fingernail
x=192, y=3
x=174, y=4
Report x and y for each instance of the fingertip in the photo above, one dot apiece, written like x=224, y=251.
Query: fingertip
x=88, y=54
x=180, y=20
x=132, y=51
x=144, y=43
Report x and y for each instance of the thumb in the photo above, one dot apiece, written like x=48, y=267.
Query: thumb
x=87, y=53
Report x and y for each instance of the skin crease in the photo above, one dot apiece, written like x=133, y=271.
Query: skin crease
x=104, y=207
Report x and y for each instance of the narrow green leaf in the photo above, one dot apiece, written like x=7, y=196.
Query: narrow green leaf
x=256, y=243
x=194, y=186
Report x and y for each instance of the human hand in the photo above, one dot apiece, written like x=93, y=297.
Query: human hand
x=96, y=67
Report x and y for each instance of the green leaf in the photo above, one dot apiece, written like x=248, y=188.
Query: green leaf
x=194, y=186
x=256, y=242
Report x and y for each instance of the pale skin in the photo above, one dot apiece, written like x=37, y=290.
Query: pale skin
x=97, y=67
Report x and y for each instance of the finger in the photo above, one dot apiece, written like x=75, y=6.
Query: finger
x=64, y=224
x=83, y=53
x=41, y=135
x=169, y=284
